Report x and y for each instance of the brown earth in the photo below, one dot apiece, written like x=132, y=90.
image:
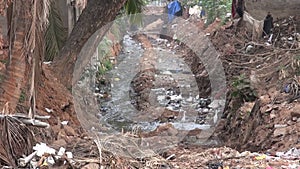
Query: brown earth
x=250, y=124
x=268, y=121
x=246, y=125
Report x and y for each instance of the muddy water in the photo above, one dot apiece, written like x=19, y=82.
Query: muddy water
x=119, y=107
x=175, y=89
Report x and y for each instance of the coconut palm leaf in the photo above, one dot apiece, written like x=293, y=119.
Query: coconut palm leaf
x=133, y=8
x=16, y=140
x=56, y=33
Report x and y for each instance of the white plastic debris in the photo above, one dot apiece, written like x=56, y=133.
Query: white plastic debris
x=268, y=44
x=167, y=72
x=47, y=63
x=249, y=48
x=50, y=160
x=228, y=15
x=280, y=125
x=175, y=37
x=298, y=36
x=61, y=151
x=293, y=153
x=23, y=161
x=48, y=110
x=64, y=123
x=205, y=110
x=216, y=117
x=42, y=148
x=270, y=38
x=69, y=155
x=176, y=97
x=160, y=98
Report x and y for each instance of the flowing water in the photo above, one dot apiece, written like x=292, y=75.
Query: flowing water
x=175, y=89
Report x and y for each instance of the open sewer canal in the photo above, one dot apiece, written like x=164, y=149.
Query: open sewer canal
x=170, y=96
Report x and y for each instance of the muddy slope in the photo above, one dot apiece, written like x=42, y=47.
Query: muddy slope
x=259, y=116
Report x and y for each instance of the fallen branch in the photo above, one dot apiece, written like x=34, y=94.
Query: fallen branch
x=28, y=121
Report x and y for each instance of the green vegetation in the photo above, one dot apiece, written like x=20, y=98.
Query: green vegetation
x=22, y=97
x=133, y=7
x=104, y=54
x=242, y=89
x=214, y=8
x=104, y=66
x=56, y=34
x=4, y=61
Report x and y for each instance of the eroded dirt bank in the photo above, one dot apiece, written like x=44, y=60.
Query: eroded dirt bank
x=261, y=114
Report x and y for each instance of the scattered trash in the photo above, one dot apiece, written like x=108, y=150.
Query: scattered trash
x=290, y=38
x=47, y=63
x=249, y=48
x=49, y=110
x=217, y=165
x=61, y=151
x=287, y=88
x=64, y=123
x=69, y=155
x=293, y=153
x=171, y=157
x=280, y=125
x=24, y=161
x=261, y=157
x=42, y=148
x=204, y=102
x=45, y=156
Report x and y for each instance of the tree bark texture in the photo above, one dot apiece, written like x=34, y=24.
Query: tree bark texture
x=16, y=66
x=26, y=24
x=96, y=15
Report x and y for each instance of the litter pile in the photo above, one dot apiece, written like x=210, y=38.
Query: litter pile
x=227, y=158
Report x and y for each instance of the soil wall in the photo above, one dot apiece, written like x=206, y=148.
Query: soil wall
x=279, y=8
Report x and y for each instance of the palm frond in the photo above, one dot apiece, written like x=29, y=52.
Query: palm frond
x=16, y=140
x=134, y=8
x=56, y=33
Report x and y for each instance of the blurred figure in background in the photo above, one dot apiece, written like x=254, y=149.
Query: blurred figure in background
x=174, y=9
x=268, y=25
x=237, y=9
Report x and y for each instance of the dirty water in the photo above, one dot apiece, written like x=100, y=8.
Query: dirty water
x=171, y=74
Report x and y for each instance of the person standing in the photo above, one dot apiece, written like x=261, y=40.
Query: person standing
x=268, y=25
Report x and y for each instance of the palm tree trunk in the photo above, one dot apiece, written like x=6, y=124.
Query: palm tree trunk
x=15, y=73
x=26, y=28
